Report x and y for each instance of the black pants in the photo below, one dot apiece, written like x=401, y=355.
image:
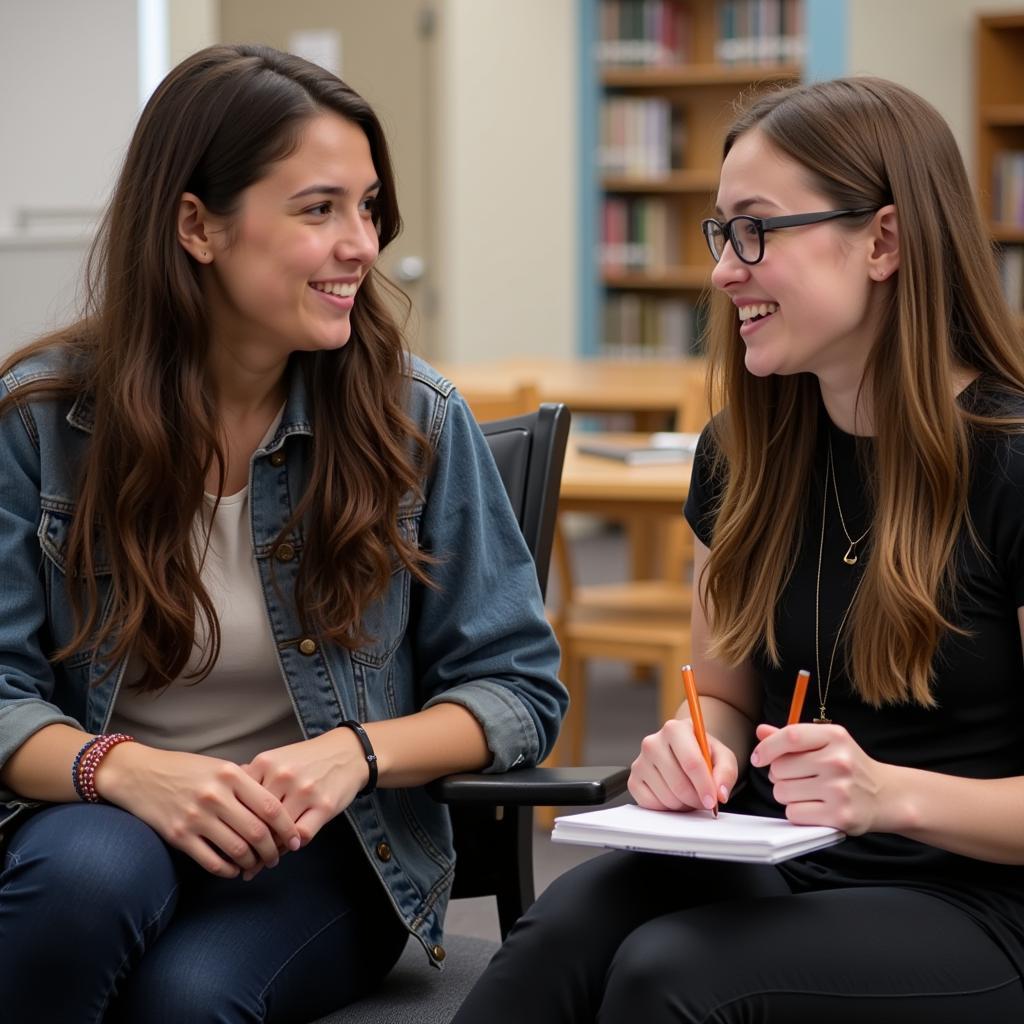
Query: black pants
x=635, y=937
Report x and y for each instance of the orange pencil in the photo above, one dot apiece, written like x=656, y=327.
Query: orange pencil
x=697, y=717
x=803, y=677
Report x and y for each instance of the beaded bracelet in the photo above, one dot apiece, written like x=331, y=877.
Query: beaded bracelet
x=371, y=757
x=88, y=761
x=75, y=764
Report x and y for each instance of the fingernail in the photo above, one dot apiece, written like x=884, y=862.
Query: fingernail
x=294, y=843
x=709, y=802
x=755, y=759
x=723, y=793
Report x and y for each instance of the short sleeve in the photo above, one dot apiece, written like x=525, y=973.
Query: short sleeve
x=705, y=489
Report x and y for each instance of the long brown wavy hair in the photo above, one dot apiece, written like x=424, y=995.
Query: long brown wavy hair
x=865, y=142
x=139, y=356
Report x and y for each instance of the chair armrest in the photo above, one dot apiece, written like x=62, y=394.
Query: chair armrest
x=536, y=787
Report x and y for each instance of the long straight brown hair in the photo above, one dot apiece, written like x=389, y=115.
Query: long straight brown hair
x=139, y=357
x=865, y=142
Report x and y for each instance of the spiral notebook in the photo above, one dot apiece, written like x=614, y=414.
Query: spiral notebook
x=739, y=837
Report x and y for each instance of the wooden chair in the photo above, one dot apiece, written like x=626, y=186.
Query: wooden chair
x=644, y=620
x=501, y=401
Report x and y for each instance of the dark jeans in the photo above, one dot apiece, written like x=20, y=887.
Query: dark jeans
x=101, y=921
x=635, y=937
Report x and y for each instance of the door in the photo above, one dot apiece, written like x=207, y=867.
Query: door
x=386, y=55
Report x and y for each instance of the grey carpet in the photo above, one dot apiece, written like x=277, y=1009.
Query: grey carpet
x=416, y=993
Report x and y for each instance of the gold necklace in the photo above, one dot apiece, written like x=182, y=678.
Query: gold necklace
x=822, y=718
x=850, y=558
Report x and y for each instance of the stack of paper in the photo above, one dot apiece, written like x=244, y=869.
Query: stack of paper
x=742, y=837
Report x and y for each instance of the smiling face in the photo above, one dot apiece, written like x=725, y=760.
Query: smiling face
x=284, y=271
x=811, y=304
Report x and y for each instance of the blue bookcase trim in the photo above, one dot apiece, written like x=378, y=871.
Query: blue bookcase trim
x=826, y=30
x=588, y=209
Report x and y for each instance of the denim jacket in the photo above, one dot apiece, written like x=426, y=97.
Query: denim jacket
x=480, y=639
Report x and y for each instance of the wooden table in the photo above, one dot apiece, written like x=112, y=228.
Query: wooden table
x=593, y=483
x=656, y=393
x=648, y=499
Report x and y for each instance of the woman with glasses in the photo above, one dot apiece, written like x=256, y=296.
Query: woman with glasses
x=858, y=503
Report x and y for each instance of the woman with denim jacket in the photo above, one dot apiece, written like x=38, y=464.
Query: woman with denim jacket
x=260, y=582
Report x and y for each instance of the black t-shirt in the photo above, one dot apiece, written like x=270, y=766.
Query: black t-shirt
x=977, y=729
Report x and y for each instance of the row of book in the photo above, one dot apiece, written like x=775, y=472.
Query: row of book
x=1011, y=270
x=1008, y=187
x=646, y=326
x=640, y=137
x=639, y=234
x=644, y=33
x=760, y=31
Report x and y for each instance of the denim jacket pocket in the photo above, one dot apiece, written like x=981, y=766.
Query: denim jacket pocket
x=385, y=620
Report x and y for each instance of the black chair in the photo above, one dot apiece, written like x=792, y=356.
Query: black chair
x=492, y=815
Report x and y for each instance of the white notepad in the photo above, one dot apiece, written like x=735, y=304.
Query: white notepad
x=741, y=837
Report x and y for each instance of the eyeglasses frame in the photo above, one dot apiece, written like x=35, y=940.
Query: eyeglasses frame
x=763, y=224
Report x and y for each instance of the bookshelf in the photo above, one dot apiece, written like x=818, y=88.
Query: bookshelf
x=999, y=97
x=667, y=75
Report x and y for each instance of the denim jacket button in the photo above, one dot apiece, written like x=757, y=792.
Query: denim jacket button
x=438, y=953
x=307, y=646
x=277, y=458
x=384, y=852
x=284, y=552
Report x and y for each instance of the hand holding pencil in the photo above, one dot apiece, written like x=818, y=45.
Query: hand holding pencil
x=682, y=767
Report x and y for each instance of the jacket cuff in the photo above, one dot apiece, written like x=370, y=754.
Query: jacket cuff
x=22, y=718
x=508, y=726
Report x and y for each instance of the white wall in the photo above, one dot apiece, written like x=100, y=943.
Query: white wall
x=69, y=82
x=926, y=45
x=506, y=203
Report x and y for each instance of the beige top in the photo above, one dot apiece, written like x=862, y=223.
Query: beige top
x=243, y=707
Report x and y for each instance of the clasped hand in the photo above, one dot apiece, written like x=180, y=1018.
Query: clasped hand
x=818, y=773
x=230, y=818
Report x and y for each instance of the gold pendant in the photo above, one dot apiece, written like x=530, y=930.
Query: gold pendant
x=850, y=558
x=821, y=719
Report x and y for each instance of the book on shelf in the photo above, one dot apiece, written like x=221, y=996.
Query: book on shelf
x=644, y=33
x=1008, y=188
x=737, y=837
x=759, y=32
x=658, y=449
x=640, y=137
x=639, y=234
x=1011, y=274
x=647, y=326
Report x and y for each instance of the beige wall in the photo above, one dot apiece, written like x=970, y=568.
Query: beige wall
x=927, y=45
x=506, y=203
x=191, y=25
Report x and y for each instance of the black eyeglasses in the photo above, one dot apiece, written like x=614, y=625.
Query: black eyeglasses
x=747, y=233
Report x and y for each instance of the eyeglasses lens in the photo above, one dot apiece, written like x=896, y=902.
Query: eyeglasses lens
x=716, y=238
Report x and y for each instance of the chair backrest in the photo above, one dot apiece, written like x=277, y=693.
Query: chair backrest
x=494, y=850
x=529, y=451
